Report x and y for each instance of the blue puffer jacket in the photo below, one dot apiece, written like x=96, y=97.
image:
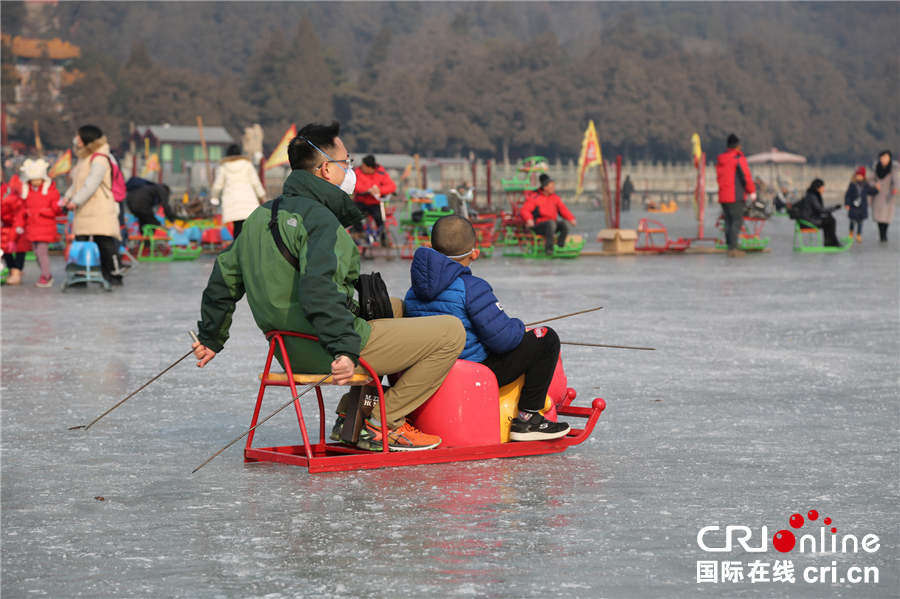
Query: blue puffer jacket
x=442, y=286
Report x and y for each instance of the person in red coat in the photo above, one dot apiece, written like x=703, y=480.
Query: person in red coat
x=735, y=186
x=372, y=184
x=12, y=234
x=38, y=219
x=541, y=210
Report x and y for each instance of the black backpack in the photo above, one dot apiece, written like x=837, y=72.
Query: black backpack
x=374, y=301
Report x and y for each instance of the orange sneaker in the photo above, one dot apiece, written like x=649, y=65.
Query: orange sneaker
x=405, y=438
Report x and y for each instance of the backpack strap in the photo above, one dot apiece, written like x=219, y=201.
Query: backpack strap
x=102, y=184
x=292, y=259
x=279, y=242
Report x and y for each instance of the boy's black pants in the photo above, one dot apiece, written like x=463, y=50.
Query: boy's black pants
x=536, y=357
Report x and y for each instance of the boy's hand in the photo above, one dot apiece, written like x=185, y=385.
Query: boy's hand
x=342, y=370
x=574, y=222
x=529, y=223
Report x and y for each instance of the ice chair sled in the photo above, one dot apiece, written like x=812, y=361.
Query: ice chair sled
x=83, y=265
x=185, y=245
x=809, y=238
x=647, y=228
x=469, y=395
x=156, y=245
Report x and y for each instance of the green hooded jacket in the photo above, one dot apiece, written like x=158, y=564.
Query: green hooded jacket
x=312, y=216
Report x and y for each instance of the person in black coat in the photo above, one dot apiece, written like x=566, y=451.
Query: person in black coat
x=813, y=211
x=143, y=198
x=627, y=190
x=856, y=200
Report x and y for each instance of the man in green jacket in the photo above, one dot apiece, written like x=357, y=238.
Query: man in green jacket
x=313, y=214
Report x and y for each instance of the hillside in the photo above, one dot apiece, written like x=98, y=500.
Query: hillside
x=817, y=78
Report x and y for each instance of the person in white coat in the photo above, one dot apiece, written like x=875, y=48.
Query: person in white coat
x=238, y=187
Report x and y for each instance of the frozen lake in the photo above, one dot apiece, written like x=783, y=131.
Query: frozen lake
x=773, y=391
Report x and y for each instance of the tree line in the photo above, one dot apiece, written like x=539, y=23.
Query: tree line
x=441, y=91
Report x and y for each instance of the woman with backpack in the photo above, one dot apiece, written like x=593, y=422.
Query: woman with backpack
x=91, y=196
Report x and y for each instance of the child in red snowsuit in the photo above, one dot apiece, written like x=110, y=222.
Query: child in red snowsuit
x=38, y=218
x=12, y=235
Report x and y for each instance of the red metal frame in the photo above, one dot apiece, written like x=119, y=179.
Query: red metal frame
x=751, y=228
x=336, y=457
x=647, y=228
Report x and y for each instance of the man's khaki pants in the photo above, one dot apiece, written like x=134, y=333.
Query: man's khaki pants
x=424, y=348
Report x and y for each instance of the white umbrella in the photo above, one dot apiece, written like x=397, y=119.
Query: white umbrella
x=776, y=157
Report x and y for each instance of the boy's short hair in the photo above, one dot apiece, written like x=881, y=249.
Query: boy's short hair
x=453, y=235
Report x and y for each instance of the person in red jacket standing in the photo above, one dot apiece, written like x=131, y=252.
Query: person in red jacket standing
x=735, y=186
x=372, y=184
x=15, y=245
x=38, y=219
x=541, y=210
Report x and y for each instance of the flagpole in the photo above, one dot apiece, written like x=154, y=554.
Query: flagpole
x=205, y=153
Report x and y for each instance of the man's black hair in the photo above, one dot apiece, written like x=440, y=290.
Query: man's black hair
x=452, y=235
x=304, y=156
x=89, y=133
x=369, y=161
x=733, y=141
x=233, y=150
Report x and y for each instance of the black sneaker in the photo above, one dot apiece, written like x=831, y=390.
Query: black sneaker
x=536, y=428
x=338, y=427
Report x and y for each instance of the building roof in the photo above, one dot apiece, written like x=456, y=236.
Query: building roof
x=188, y=134
x=56, y=49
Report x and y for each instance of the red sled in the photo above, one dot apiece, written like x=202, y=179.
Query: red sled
x=464, y=412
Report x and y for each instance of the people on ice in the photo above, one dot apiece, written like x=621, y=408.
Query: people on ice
x=313, y=293
x=812, y=210
x=144, y=199
x=91, y=197
x=38, y=216
x=886, y=179
x=542, y=209
x=856, y=201
x=443, y=283
x=735, y=187
x=15, y=246
x=372, y=184
x=238, y=187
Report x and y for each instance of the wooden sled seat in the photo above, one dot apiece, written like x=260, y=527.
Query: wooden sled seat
x=357, y=380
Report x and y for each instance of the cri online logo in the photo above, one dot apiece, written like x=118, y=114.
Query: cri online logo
x=785, y=541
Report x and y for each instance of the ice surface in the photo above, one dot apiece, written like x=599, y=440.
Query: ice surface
x=773, y=391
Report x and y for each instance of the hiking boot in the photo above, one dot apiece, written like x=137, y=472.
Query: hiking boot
x=536, y=428
x=338, y=427
x=859, y=238
x=44, y=283
x=737, y=253
x=405, y=438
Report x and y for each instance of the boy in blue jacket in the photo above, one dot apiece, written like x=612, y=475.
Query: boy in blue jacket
x=442, y=283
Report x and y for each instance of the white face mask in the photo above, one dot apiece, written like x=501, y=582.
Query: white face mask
x=349, y=184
